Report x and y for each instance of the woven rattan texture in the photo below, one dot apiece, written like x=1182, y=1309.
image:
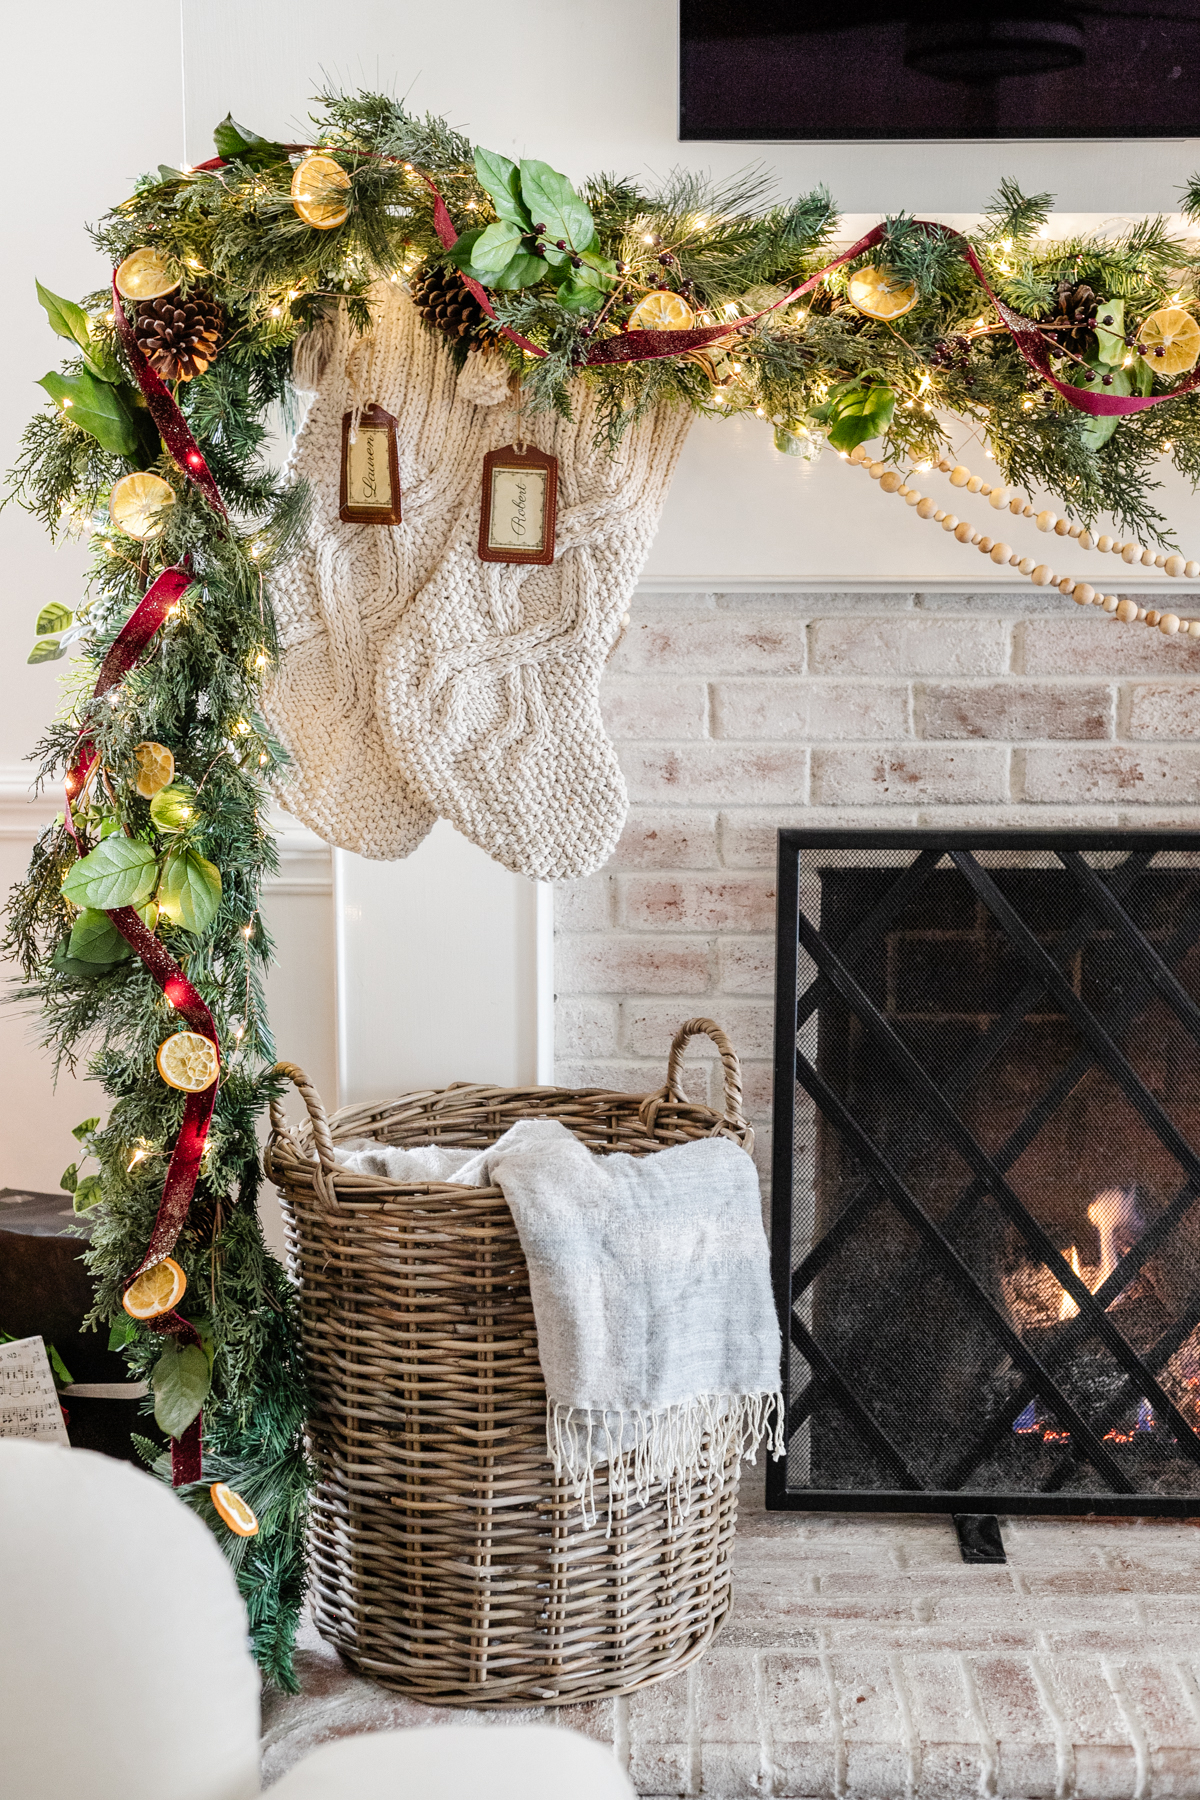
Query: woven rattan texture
x=445, y=1559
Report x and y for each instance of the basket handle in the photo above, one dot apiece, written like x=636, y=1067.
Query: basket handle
x=733, y=1117
x=316, y=1112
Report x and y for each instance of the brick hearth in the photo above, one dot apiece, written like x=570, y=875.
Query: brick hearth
x=863, y=1659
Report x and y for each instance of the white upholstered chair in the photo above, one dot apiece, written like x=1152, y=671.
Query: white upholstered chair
x=125, y=1672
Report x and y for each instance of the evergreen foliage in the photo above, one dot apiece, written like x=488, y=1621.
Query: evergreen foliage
x=232, y=233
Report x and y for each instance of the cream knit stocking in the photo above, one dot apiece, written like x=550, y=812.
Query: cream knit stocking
x=488, y=686
x=341, y=596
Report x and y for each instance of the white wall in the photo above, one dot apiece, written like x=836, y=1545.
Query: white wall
x=92, y=101
x=84, y=117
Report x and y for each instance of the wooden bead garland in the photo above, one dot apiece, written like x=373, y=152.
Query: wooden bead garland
x=1040, y=573
x=1173, y=564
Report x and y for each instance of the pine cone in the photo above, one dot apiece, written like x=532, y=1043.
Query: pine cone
x=446, y=304
x=1076, y=319
x=179, y=337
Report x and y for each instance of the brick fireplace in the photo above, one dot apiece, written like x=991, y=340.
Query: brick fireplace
x=735, y=714
x=863, y=1660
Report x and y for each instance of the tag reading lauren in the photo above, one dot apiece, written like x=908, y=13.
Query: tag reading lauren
x=520, y=501
x=370, y=470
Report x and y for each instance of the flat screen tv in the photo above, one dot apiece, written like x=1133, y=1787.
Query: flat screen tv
x=920, y=69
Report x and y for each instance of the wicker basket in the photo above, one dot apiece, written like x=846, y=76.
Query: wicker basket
x=445, y=1558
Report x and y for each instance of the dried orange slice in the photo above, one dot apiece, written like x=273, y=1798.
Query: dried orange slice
x=156, y=768
x=155, y=1292
x=233, y=1510
x=188, y=1061
x=1170, y=341
x=882, y=294
x=320, y=192
x=661, y=312
x=145, y=276
x=137, y=503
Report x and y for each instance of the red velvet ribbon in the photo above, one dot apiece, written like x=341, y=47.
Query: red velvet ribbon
x=128, y=646
x=131, y=641
x=124, y=653
x=186, y=1459
x=170, y=422
x=443, y=224
x=649, y=346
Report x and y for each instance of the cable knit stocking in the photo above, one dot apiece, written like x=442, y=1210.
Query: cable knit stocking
x=488, y=689
x=340, y=598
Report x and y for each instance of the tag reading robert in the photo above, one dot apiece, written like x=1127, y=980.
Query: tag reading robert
x=520, y=501
x=370, y=469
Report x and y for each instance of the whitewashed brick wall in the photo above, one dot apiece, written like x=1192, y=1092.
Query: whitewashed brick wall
x=736, y=714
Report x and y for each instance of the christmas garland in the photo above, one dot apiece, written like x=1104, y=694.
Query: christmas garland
x=137, y=928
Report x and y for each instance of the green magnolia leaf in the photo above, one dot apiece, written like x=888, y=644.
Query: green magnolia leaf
x=70, y=968
x=68, y=1181
x=855, y=413
x=1110, y=333
x=501, y=180
x=50, y=649
x=578, y=296
x=55, y=617
x=460, y=251
x=89, y=1193
x=118, y=872
x=189, y=893
x=496, y=248
x=1096, y=432
x=84, y=1129
x=553, y=202
x=56, y=1362
x=47, y=649
x=238, y=142
x=67, y=319
x=95, y=939
x=97, y=407
x=181, y=1381
x=173, y=807
x=121, y=1332
x=523, y=271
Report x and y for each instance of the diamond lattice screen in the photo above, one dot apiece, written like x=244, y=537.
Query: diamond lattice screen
x=988, y=1219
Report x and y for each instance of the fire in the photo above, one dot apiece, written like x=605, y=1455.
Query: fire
x=1067, y=1308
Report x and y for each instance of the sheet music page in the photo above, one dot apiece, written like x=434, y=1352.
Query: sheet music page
x=28, y=1399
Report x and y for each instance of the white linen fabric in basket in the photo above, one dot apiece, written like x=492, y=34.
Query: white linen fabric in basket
x=650, y=1278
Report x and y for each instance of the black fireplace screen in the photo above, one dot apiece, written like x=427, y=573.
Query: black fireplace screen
x=986, y=1227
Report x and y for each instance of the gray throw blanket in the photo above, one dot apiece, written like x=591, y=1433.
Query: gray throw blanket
x=651, y=1288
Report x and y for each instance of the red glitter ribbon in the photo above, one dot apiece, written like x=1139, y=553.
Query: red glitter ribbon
x=129, y=644
x=443, y=224
x=186, y=1459
x=123, y=654
x=170, y=422
x=650, y=346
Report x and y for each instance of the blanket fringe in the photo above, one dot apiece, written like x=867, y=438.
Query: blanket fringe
x=685, y=1448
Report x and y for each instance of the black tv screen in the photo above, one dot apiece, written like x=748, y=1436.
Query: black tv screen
x=935, y=69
